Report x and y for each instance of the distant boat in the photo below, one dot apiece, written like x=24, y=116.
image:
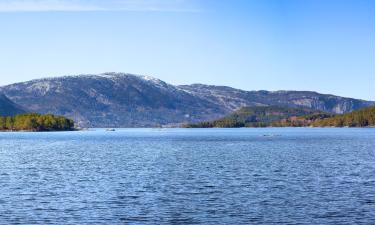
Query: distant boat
x=271, y=135
x=110, y=129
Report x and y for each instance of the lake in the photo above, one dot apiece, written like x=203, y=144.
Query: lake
x=189, y=176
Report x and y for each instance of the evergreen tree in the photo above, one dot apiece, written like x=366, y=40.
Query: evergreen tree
x=36, y=122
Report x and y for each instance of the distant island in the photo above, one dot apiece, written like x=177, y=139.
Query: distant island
x=275, y=116
x=35, y=122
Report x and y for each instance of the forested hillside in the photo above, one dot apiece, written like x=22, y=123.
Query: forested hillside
x=359, y=118
x=259, y=116
x=290, y=117
x=35, y=122
x=126, y=100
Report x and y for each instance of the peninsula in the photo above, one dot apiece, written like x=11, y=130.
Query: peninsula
x=34, y=122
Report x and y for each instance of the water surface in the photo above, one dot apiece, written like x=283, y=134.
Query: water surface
x=189, y=176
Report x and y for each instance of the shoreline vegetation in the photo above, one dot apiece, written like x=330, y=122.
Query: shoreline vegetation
x=34, y=122
x=269, y=116
x=247, y=117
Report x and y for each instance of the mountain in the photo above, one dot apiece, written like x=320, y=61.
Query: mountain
x=112, y=100
x=256, y=116
x=232, y=99
x=126, y=100
x=9, y=108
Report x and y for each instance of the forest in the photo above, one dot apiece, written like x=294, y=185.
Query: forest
x=256, y=116
x=290, y=117
x=359, y=118
x=36, y=122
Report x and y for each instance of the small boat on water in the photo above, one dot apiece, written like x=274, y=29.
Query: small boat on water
x=271, y=135
x=110, y=129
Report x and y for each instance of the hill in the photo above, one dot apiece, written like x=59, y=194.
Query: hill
x=126, y=100
x=9, y=108
x=258, y=116
x=359, y=118
x=274, y=116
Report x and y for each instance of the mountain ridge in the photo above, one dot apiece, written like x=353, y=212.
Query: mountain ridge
x=275, y=91
x=309, y=99
x=128, y=100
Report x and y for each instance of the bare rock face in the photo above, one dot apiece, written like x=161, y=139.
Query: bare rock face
x=233, y=99
x=125, y=100
x=9, y=108
x=112, y=100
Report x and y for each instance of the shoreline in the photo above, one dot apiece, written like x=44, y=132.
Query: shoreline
x=172, y=128
x=33, y=131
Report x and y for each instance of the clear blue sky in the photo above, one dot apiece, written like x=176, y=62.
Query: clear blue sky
x=321, y=45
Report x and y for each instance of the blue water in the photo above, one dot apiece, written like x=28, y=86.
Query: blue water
x=196, y=176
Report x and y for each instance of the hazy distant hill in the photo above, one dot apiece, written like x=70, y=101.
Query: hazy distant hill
x=9, y=108
x=125, y=100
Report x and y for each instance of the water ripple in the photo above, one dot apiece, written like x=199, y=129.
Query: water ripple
x=217, y=176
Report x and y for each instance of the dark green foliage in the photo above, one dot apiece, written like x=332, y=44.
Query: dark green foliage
x=359, y=118
x=35, y=122
x=259, y=116
x=290, y=117
x=302, y=121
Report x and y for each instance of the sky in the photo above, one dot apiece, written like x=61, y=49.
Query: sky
x=326, y=46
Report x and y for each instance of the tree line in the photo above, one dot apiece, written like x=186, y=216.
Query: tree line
x=359, y=118
x=36, y=122
x=256, y=116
